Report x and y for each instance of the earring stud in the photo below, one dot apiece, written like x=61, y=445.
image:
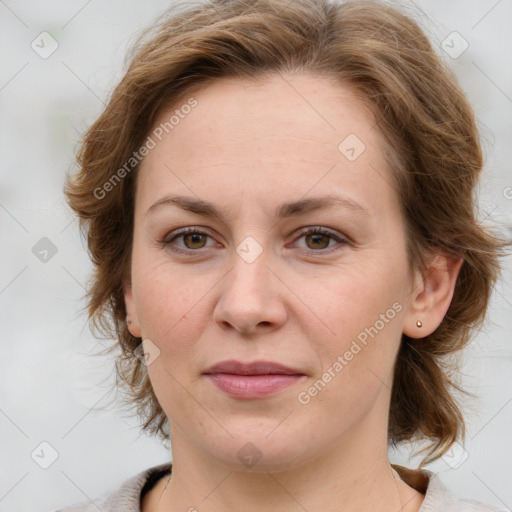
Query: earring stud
x=418, y=323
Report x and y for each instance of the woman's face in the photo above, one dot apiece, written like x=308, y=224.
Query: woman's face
x=256, y=285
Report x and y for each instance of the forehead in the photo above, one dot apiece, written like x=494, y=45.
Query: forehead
x=286, y=134
x=308, y=107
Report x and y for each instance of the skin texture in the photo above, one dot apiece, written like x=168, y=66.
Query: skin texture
x=248, y=147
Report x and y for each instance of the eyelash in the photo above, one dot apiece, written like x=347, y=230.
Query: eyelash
x=166, y=243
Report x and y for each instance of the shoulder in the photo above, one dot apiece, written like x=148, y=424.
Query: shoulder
x=103, y=503
x=441, y=499
x=438, y=498
x=127, y=497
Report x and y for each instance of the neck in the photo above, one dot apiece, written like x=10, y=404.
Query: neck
x=339, y=480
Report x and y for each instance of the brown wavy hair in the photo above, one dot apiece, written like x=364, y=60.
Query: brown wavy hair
x=433, y=151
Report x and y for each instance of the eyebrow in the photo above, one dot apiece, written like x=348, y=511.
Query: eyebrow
x=284, y=210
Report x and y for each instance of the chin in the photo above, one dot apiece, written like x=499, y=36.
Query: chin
x=259, y=453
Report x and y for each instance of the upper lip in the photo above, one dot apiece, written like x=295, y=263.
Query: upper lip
x=252, y=368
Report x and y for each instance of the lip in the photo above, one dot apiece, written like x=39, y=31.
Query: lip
x=256, y=379
x=252, y=368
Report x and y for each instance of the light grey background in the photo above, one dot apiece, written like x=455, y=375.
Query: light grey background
x=50, y=389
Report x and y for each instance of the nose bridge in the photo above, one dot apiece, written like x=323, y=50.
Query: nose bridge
x=249, y=296
x=249, y=269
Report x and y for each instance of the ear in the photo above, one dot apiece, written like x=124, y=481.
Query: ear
x=131, y=311
x=432, y=296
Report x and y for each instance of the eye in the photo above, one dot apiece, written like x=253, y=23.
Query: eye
x=318, y=238
x=193, y=238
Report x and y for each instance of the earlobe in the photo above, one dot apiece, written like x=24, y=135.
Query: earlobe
x=433, y=296
x=131, y=313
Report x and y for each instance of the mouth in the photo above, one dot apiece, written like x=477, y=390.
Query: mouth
x=256, y=379
x=252, y=368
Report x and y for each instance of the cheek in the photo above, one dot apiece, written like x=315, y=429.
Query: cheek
x=351, y=299
x=169, y=309
x=362, y=312
x=165, y=299
x=356, y=362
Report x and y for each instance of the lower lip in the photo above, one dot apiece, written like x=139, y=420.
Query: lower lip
x=252, y=386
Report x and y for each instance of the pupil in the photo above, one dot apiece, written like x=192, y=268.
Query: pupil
x=316, y=236
x=195, y=237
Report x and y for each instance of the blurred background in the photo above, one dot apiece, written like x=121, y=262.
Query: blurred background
x=63, y=438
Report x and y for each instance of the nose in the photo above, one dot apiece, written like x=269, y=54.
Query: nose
x=251, y=298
